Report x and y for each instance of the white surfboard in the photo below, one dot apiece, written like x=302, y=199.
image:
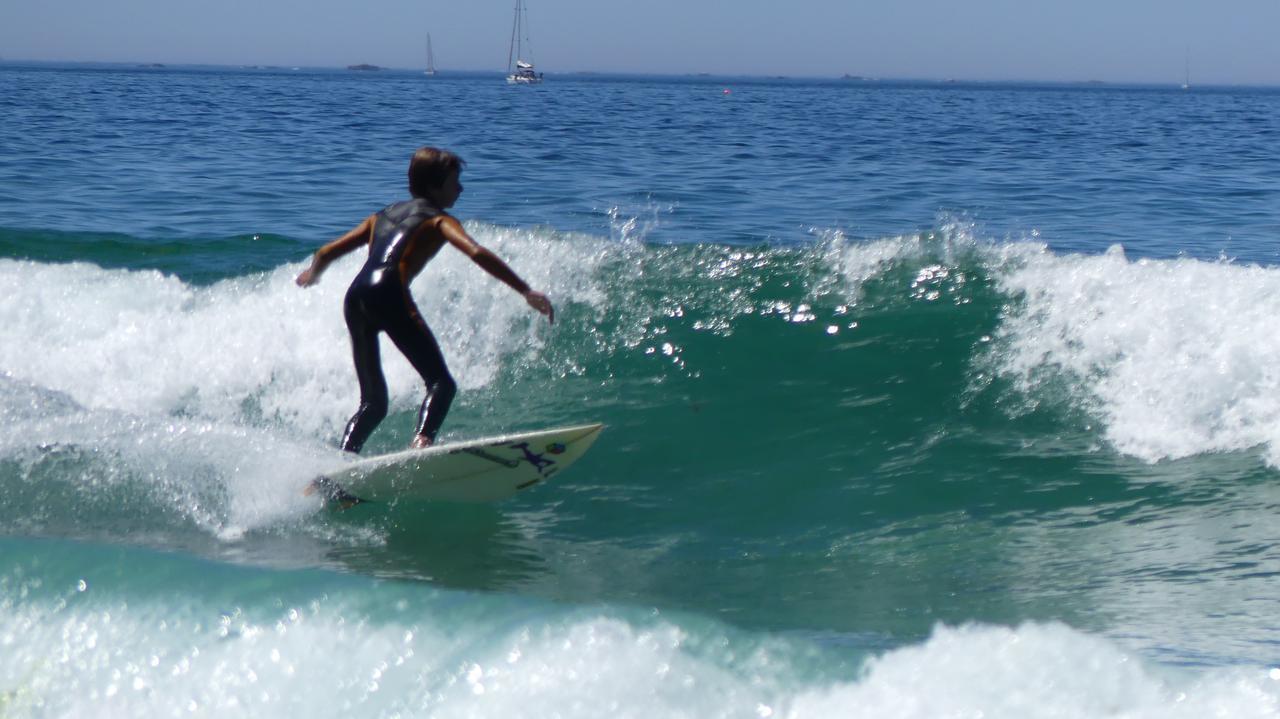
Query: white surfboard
x=479, y=470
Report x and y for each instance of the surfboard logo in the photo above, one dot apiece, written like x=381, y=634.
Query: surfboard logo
x=557, y=448
x=539, y=462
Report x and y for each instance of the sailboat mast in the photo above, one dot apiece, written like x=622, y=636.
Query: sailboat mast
x=523, y=35
x=515, y=37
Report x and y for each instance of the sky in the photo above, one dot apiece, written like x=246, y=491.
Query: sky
x=1221, y=42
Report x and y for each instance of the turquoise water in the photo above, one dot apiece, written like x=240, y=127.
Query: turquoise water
x=922, y=400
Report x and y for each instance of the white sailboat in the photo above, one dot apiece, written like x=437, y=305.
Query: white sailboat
x=431, y=60
x=522, y=72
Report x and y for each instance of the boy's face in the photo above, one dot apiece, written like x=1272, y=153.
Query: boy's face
x=449, y=190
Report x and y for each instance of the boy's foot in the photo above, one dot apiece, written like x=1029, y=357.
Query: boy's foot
x=420, y=441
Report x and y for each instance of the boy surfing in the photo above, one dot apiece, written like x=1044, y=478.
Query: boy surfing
x=402, y=237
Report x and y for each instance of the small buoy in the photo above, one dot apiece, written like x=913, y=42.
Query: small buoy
x=727, y=91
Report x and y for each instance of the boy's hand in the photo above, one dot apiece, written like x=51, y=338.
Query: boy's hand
x=306, y=278
x=539, y=302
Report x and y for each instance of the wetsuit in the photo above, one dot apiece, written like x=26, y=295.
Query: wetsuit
x=379, y=301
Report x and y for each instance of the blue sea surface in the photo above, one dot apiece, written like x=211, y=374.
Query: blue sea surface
x=922, y=399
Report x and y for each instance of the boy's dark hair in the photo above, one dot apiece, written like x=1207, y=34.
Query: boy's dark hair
x=430, y=167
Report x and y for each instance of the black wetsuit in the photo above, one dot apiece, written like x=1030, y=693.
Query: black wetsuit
x=379, y=301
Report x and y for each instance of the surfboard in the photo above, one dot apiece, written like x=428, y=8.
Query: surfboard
x=478, y=470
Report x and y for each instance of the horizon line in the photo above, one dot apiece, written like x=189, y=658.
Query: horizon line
x=849, y=77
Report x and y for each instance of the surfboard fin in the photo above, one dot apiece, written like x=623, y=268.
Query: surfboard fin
x=333, y=493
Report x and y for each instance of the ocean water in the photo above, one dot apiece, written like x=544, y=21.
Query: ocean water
x=922, y=400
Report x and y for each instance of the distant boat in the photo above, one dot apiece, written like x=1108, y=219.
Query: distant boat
x=522, y=72
x=363, y=67
x=431, y=60
x=1186, y=76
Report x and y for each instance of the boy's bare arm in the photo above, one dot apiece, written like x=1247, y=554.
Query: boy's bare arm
x=458, y=237
x=358, y=236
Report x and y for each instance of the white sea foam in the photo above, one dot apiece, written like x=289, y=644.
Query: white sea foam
x=323, y=659
x=1177, y=357
x=1036, y=671
x=223, y=478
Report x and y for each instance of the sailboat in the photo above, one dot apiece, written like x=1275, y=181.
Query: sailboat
x=523, y=72
x=431, y=60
